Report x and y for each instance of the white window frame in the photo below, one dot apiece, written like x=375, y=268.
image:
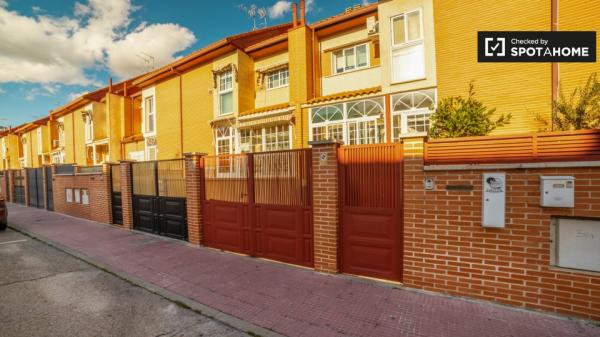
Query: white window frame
x=408, y=44
x=231, y=136
x=356, y=67
x=69, y=195
x=95, y=155
x=405, y=113
x=147, y=152
x=85, y=196
x=345, y=121
x=228, y=73
x=279, y=80
x=149, y=94
x=61, y=132
x=77, y=195
x=25, y=151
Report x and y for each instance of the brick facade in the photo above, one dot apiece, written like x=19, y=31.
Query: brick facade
x=325, y=205
x=3, y=185
x=194, y=177
x=127, y=194
x=11, y=185
x=98, y=187
x=447, y=250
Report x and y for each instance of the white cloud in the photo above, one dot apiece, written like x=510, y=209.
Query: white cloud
x=45, y=49
x=280, y=8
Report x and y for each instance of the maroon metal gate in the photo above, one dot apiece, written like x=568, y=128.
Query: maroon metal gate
x=371, y=210
x=260, y=204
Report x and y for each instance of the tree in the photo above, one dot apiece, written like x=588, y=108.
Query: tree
x=457, y=116
x=581, y=110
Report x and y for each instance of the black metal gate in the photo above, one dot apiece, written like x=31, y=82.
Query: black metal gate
x=117, y=204
x=159, y=204
x=35, y=185
x=49, y=189
x=19, y=186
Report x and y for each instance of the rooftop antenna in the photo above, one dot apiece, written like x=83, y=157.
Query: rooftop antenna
x=148, y=59
x=258, y=16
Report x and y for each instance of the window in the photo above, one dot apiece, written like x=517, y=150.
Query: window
x=352, y=58
x=224, y=140
x=89, y=127
x=226, y=92
x=278, y=78
x=77, y=194
x=149, y=115
x=411, y=112
x=251, y=140
x=61, y=133
x=85, y=197
x=151, y=153
x=40, y=148
x=277, y=137
x=356, y=122
x=408, y=56
x=69, y=195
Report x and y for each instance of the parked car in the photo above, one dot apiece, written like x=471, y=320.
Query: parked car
x=3, y=214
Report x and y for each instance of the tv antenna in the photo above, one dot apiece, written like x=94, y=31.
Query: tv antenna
x=258, y=16
x=148, y=60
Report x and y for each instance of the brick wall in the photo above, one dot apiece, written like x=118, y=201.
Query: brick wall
x=3, y=186
x=194, y=177
x=98, y=186
x=325, y=205
x=447, y=250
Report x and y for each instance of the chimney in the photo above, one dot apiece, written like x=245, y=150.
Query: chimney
x=125, y=89
x=302, y=12
x=110, y=84
x=295, y=14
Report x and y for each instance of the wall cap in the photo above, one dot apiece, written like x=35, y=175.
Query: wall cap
x=468, y=167
x=325, y=142
x=192, y=154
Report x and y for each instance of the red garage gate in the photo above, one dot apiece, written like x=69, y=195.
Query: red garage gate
x=371, y=210
x=260, y=205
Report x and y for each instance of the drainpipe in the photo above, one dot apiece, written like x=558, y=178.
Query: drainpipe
x=555, y=72
x=180, y=110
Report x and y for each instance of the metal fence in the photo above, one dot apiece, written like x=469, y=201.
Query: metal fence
x=165, y=178
x=115, y=176
x=90, y=169
x=65, y=169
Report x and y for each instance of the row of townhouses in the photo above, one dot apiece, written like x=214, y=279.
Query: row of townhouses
x=372, y=74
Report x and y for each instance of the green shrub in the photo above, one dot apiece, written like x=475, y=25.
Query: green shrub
x=457, y=116
x=581, y=110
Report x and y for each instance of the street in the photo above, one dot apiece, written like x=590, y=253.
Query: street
x=45, y=292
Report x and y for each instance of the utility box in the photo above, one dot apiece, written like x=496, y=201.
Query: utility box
x=557, y=191
x=494, y=200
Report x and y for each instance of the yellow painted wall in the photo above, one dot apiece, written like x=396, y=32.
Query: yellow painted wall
x=578, y=15
x=522, y=89
x=100, y=121
x=168, y=119
x=198, y=110
x=246, y=82
x=115, y=105
x=299, y=48
x=389, y=9
x=266, y=97
x=13, y=152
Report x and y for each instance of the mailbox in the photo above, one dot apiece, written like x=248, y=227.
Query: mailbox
x=494, y=200
x=557, y=191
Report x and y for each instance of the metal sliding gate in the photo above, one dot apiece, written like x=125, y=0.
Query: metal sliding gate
x=49, y=188
x=159, y=204
x=116, y=201
x=35, y=186
x=260, y=205
x=371, y=210
x=19, y=186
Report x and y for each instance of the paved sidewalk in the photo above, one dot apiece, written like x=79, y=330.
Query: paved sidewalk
x=288, y=300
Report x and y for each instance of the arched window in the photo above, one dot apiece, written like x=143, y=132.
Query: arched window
x=411, y=112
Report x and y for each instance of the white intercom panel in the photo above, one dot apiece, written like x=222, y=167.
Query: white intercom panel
x=557, y=191
x=494, y=199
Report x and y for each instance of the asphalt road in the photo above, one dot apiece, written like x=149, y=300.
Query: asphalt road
x=45, y=292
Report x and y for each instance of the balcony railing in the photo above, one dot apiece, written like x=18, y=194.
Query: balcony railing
x=583, y=145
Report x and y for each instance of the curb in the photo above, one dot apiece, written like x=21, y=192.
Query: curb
x=229, y=320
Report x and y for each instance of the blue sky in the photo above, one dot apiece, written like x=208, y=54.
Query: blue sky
x=52, y=51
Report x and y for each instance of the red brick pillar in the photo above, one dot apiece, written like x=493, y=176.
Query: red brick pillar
x=325, y=205
x=194, y=190
x=101, y=208
x=11, y=185
x=3, y=181
x=127, y=194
